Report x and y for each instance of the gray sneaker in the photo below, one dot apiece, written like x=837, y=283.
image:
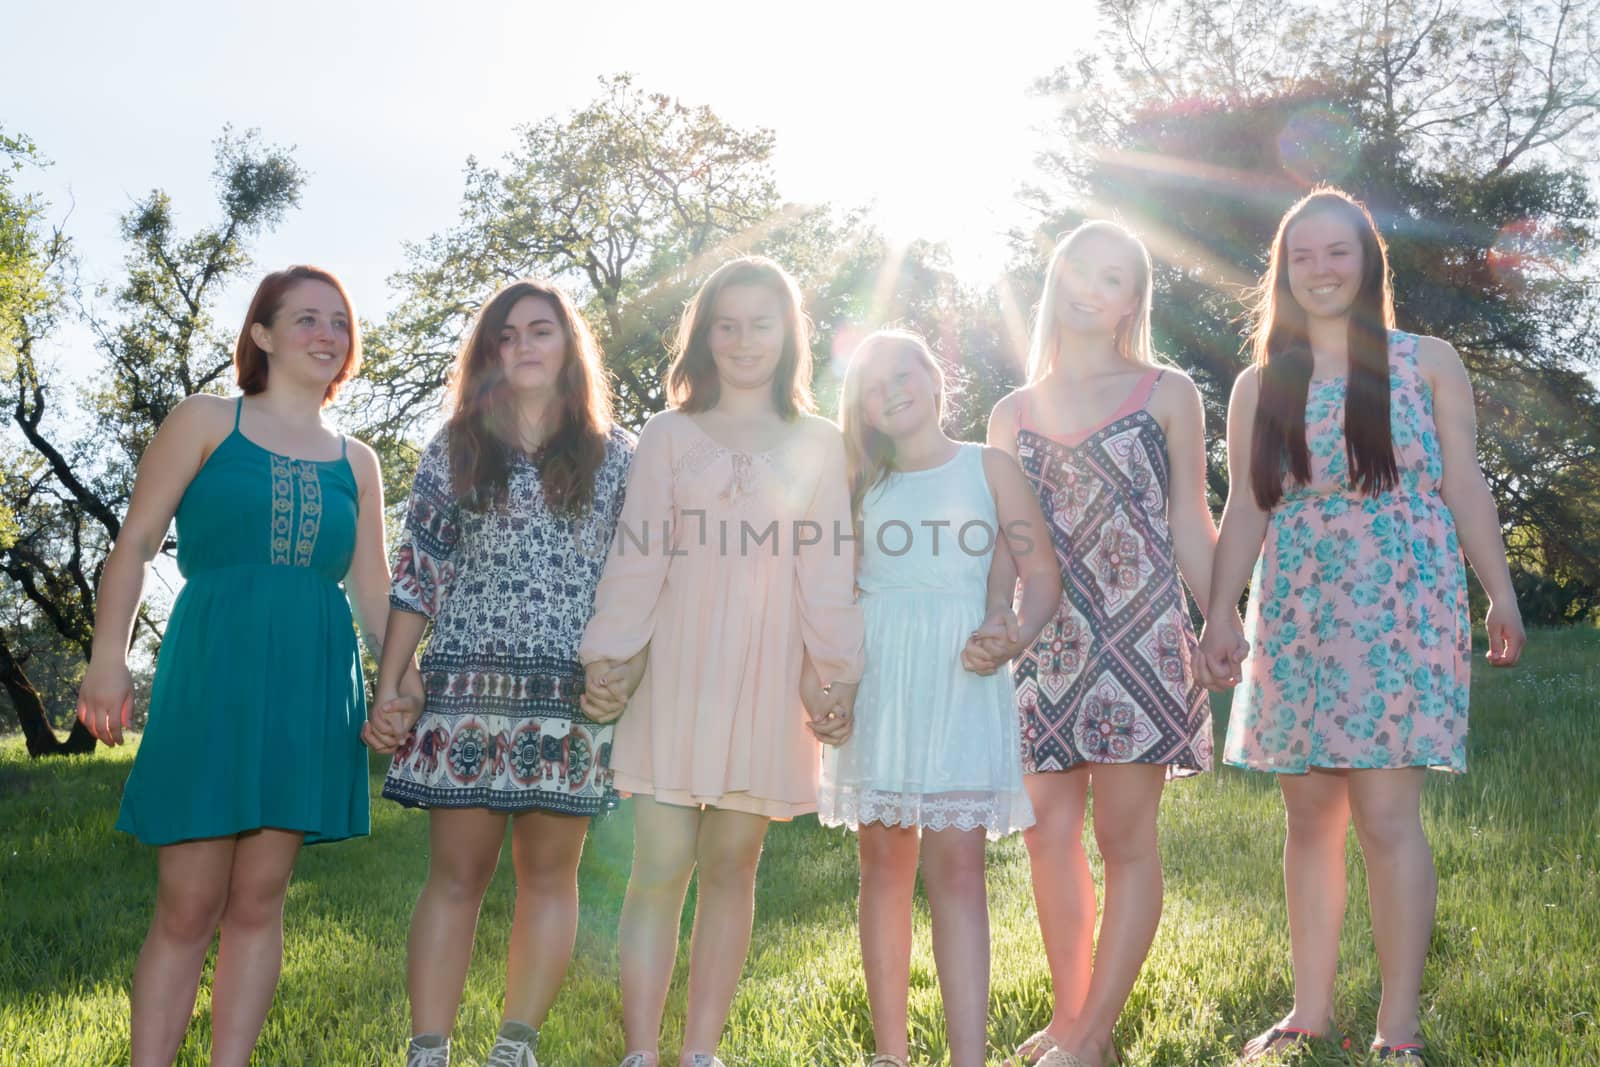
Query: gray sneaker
x=428, y=1055
x=509, y=1053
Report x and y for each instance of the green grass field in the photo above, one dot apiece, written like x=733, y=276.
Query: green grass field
x=1512, y=978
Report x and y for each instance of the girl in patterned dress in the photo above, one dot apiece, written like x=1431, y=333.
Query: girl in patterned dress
x=1352, y=472
x=1108, y=694
x=510, y=516
x=729, y=566
x=934, y=764
x=252, y=745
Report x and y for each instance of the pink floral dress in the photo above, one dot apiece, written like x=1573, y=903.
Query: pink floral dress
x=1361, y=643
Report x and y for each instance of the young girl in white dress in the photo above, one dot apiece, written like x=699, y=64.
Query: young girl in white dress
x=935, y=758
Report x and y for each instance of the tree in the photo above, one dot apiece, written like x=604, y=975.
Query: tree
x=68, y=481
x=629, y=202
x=1464, y=129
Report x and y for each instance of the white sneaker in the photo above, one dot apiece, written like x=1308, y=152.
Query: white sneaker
x=424, y=1056
x=509, y=1053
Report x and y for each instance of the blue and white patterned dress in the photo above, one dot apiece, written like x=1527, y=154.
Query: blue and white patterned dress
x=509, y=591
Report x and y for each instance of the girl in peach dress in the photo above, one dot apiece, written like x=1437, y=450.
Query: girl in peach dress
x=732, y=572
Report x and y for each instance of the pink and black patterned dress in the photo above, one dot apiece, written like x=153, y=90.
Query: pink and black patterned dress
x=1111, y=678
x=509, y=589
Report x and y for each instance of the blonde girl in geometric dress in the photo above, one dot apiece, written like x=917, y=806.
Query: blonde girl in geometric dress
x=1108, y=695
x=1354, y=477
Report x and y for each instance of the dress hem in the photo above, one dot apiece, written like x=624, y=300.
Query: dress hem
x=1175, y=771
x=498, y=800
x=311, y=837
x=748, y=803
x=1303, y=768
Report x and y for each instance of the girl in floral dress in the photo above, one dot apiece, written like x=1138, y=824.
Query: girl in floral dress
x=510, y=516
x=1353, y=475
x=1108, y=694
x=730, y=568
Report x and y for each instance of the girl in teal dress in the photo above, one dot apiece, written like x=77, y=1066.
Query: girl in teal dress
x=252, y=745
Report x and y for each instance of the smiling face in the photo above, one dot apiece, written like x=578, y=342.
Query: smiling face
x=1325, y=264
x=532, y=346
x=746, y=336
x=899, y=397
x=308, y=337
x=1097, y=284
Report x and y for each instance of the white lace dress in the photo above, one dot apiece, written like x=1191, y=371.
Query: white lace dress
x=935, y=746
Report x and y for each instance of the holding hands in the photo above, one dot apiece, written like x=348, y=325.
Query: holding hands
x=394, y=713
x=1223, y=650
x=830, y=708
x=994, y=643
x=608, y=684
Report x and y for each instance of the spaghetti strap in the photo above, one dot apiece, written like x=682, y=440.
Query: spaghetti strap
x=238, y=406
x=344, y=446
x=1144, y=390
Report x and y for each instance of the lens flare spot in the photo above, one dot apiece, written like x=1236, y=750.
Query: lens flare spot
x=845, y=340
x=1319, y=144
x=1526, y=253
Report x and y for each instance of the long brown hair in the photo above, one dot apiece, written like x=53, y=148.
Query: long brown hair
x=692, y=383
x=483, y=420
x=869, y=453
x=250, y=362
x=1281, y=346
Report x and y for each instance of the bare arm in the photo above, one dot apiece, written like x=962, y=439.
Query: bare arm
x=1003, y=569
x=1194, y=531
x=1024, y=529
x=169, y=464
x=367, y=580
x=1467, y=495
x=1244, y=527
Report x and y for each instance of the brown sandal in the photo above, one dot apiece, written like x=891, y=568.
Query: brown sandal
x=1060, y=1057
x=1032, y=1050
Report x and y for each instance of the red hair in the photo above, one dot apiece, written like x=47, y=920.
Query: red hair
x=250, y=362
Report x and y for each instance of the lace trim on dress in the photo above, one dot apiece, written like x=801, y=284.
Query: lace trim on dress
x=998, y=814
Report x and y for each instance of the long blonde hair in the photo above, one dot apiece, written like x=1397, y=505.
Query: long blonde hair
x=1133, y=341
x=869, y=452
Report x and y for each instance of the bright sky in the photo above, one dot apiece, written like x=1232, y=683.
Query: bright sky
x=927, y=115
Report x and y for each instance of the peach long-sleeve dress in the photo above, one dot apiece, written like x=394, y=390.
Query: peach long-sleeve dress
x=731, y=566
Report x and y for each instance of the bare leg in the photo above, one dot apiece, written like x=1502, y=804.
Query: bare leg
x=191, y=894
x=1063, y=889
x=1317, y=805
x=250, y=952
x=1126, y=798
x=663, y=860
x=546, y=849
x=1402, y=888
x=463, y=850
x=727, y=852
x=953, y=873
x=883, y=918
